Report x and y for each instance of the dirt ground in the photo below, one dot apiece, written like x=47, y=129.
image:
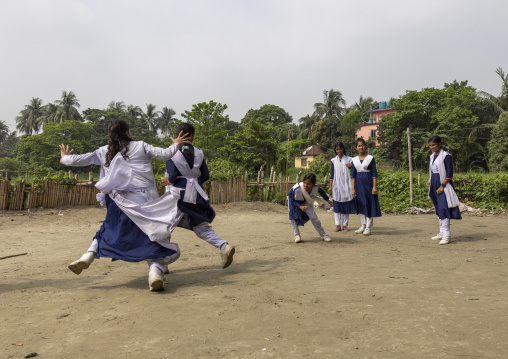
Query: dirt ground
x=395, y=294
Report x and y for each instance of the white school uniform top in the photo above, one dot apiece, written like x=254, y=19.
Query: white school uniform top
x=131, y=184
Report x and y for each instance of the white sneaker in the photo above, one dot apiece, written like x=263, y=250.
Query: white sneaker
x=298, y=239
x=445, y=240
x=366, y=232
x=227, y=255
x=361, y=229
x=437, y=236
x=155, y=279
x=82, y=263
x=327, y=238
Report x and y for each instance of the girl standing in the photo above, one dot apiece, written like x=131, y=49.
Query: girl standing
x=300, y=203
x=127, y=182
x=364, y=183
x=441, y=190
x=340, y=187
x=187, y=171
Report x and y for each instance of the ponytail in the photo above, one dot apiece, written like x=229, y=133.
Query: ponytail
x=118, y=140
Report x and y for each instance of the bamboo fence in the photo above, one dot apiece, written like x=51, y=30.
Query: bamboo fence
x=17, y=196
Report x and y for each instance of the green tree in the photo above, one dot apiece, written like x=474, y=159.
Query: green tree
x=498, y=144
x=306, y=124
x=252, y=147
x=349, y=126
x=210, y=123
x=67, y=107
x=268, y=114
x=452, y=113
x=167, y=121
x=40, y=152
x=4, y=131
x=28, y=120
x=8, y=144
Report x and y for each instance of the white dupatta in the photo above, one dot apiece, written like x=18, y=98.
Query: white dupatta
x=451, y=197
x=341, y=187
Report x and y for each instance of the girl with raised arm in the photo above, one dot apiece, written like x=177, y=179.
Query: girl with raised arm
x=127, y=184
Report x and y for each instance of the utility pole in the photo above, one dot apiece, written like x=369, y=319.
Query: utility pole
x=410, y=166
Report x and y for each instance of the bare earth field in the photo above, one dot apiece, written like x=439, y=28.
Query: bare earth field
x=395, y=294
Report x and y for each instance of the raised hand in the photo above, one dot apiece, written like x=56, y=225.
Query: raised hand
x=181, y=139
x=64, y=150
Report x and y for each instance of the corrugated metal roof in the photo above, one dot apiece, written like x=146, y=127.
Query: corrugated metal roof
x=313, y=150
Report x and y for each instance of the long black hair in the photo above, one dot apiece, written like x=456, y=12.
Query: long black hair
x=186, y=129
x=341, y=145
x=118, y=140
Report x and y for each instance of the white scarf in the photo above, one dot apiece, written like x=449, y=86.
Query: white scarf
x=311, y=198
x=190, y=174
x=362, y=166
x=451, y=197
x=341, y=190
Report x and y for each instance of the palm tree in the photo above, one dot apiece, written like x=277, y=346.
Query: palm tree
x=4, y=131
x=167, y=121
x=499, y=104
x=50, y=113
x=306, y=123
x=151, y=116
x=135, y=113
x=28, y=120
x=120, y=106
x=68, y=104
x=331, y=106
x=364, y=104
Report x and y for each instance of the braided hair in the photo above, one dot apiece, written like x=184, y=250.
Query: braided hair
x=118, y=140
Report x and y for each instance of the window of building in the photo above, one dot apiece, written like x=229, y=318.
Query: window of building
x=304, y=162
x=373, y=133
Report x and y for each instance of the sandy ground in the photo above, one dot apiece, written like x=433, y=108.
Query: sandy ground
x=395, y=294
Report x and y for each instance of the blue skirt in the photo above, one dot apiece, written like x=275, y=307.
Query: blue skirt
x=349, y=207
x=439, y=200
x=368, y=203
x=120, y=238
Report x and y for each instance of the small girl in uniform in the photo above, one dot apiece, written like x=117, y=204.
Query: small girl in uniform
x=364, y=187
x=300, y=203
x=441, y=190
x=340, y=187
x=187, y=171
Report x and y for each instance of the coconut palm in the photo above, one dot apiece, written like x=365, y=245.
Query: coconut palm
x=135, y=113
x=67, y=107
x=167, y=121
x=499, y=104
x=151, y=117
x=119, y=106
x=50, y=113
x=306, y=124
x=4, y=131
x=28, y=120
x=364, y=104
x=332, y=106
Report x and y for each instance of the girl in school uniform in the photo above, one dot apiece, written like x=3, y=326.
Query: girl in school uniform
x=127, y=182
x=300, y=204
x=441, y=190
x=364, y=187
x=344, y=203
x=187, y=171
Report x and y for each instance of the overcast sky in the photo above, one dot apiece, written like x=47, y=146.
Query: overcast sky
x=244, y=53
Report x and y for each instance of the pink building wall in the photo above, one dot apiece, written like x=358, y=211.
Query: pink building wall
x=366, y=130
